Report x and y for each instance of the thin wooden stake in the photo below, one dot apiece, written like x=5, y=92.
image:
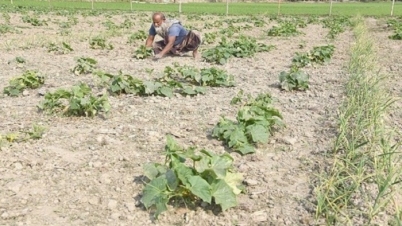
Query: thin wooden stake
x=392, y=8
x=279, y=7
x=179, y=6
x=227, y=7
x=330, y=8
x=92, y=5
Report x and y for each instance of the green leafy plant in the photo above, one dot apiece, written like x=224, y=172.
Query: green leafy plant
x=64, y=25
x=336, y=25
x=59, y=49
x=319, y=54
x=204, y=77
x=294, y=80
x=219, y=54
x=99, y=42
x=397, y=34
x=164, y=86
x=139, y=35
x=284, y=29
x=143, y=52
x=255, y=122
x=36, y=132
x=396, y=25
x=322, y=54
x=6, y=17
x=6, y=28
x=20, y=60
x=300, y=60
x=244, y=46
x=122, y=83
x=258, y=23
x=34, y=21
x=85, y=65
x=79, y=101
x=64, y=32
x=210, y=38
x=208, y=177
x=110, y=25
x=127, y=24
x=29, y=79
x=230, y=30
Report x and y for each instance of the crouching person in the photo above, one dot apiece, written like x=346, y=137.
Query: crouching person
x=176, y=39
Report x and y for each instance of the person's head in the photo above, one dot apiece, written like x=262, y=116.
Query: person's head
x=158, y=19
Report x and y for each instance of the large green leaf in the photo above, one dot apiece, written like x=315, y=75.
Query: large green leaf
x=220, y=165
x=150, y=170
x=154, y=191
x=245, y=149
x=202, y=165
x=258, y=133
x=200, y=188
x=237, y=138
x=171, y=180
x=160, y=203
x=234, y=180
x=166, y=91
x=223, y=194
x=151, y=87
x=183, y=172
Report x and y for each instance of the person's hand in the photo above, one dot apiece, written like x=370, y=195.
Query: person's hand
x=196, y=55
x=157, y=56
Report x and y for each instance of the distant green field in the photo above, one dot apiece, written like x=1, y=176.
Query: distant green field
x=366, y=9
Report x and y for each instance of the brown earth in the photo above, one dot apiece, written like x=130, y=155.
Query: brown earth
x=88, y=171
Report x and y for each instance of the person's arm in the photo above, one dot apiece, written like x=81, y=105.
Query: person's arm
x=149, y=41
x=151, y=36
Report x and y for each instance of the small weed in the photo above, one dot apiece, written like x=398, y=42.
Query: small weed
x=143, y=52
x=139, y=35
x=29, y=79
x=59, y=49
x=85, y=65
x=99, y=42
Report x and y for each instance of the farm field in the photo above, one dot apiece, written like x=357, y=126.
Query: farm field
x=89, y=170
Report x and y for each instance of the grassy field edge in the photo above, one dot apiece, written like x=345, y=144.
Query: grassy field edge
x=286, y=8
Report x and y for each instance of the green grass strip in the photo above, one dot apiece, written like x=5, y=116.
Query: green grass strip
x=286, y=8
x=365, y=178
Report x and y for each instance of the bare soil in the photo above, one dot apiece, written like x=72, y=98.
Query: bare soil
x=88, y=171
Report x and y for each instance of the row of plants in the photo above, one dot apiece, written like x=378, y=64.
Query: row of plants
x=243, y=47
x=361, y=181
x=79, y=100
x=295, y=78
